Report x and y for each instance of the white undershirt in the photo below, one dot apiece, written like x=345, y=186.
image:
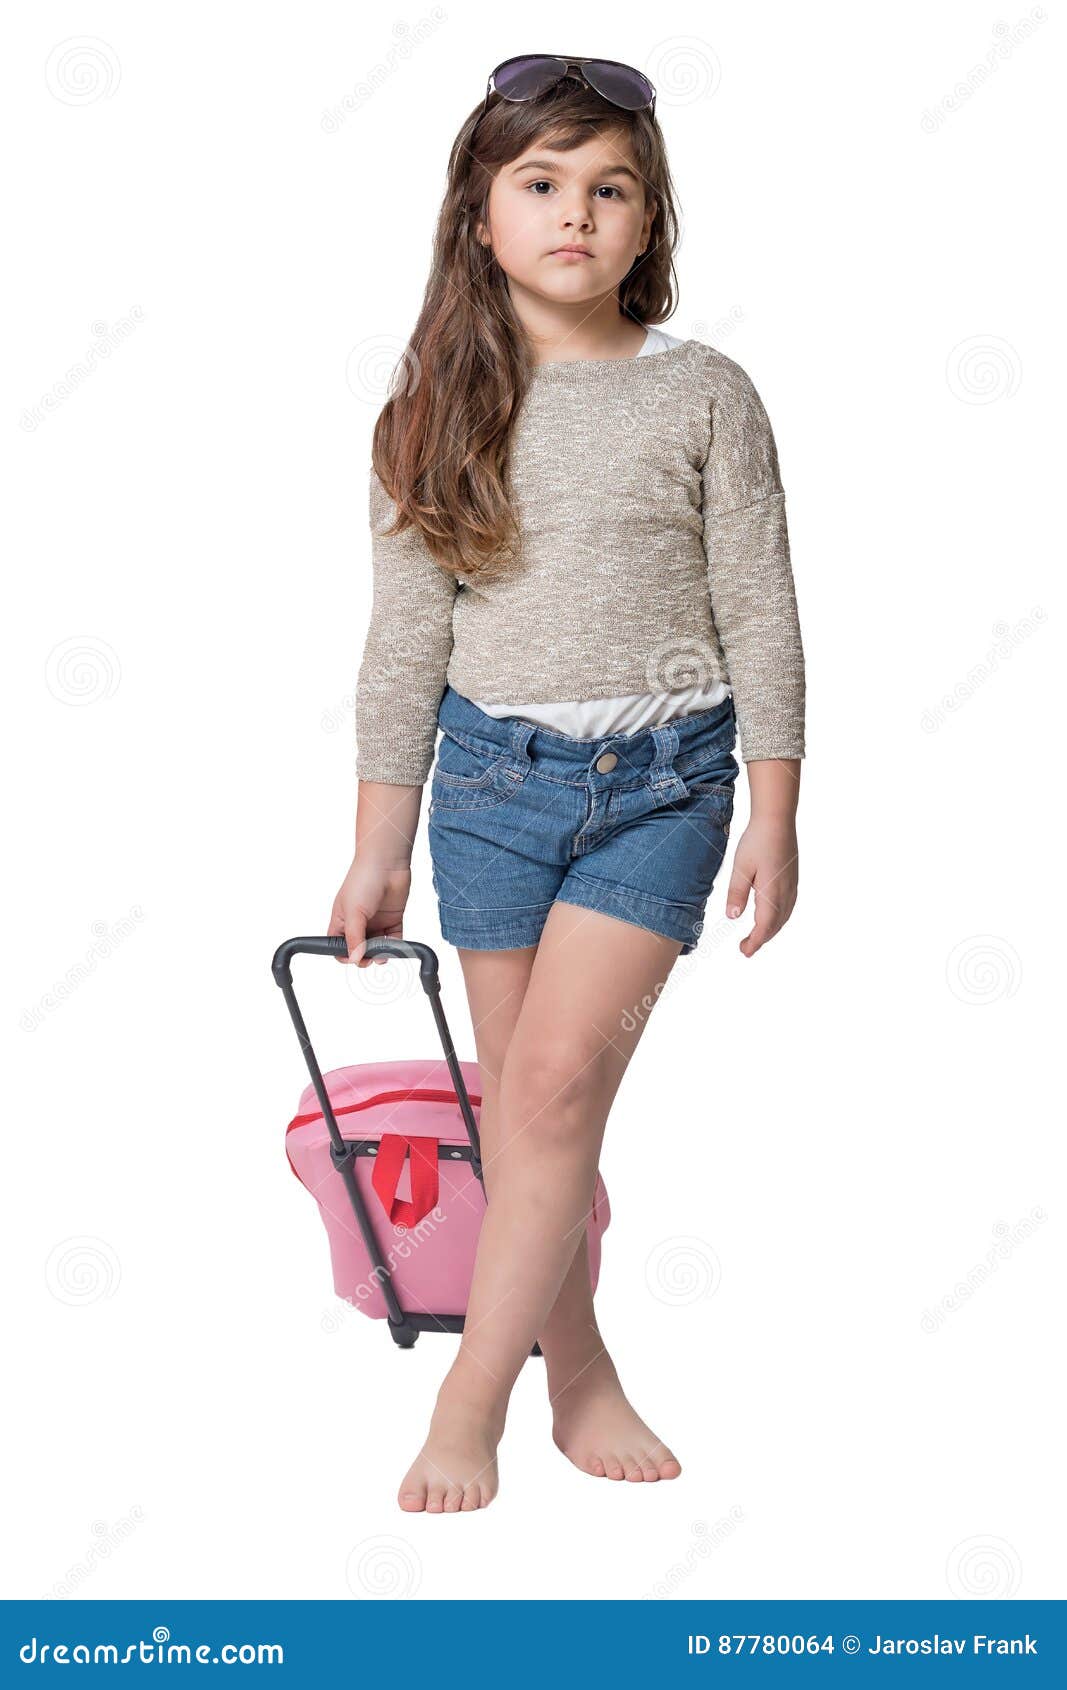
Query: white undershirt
x=593, y=718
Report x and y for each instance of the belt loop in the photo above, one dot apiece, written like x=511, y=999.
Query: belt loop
x=521, y=734
x=661, y=770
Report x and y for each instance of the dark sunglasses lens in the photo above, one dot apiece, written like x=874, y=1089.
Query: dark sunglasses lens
x=525, y=78
x=621, y=84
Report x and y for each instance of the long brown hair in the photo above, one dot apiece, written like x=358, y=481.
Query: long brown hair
x=440, y=444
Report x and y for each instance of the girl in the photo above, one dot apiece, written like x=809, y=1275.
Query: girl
x=582, y=577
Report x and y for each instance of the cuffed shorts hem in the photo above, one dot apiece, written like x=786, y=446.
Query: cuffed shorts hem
x=659, y=915
x=492, y=930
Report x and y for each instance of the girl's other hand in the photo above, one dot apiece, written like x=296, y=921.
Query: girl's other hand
x=765, y=862
x=370, y=905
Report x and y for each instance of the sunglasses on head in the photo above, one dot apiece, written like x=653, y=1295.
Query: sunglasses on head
x=532, y=74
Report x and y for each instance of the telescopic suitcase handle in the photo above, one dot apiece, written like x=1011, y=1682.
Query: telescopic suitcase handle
x=336, y=945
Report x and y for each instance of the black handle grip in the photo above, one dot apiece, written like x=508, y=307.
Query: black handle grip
x=335, y=944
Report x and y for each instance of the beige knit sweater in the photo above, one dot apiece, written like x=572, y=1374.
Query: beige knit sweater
x=654, y=554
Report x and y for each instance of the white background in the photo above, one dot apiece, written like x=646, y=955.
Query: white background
x=814, y=1148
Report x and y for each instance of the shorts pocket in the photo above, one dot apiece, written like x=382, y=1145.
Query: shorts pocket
x=715, y=770
x=472, y=776
x=466, y=766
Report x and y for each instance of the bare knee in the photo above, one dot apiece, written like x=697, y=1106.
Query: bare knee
x=552, y=1097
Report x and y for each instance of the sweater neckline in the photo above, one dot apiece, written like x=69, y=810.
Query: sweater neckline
x=595, y=367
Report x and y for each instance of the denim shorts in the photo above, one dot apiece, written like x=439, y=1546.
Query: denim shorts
x=633, y=825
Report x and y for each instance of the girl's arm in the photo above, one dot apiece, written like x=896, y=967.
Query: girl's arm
x=398, y=692
x=750, y=576
x=754, y=607
x=405, y=655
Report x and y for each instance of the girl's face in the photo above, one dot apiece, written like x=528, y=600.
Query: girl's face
x=545, y=200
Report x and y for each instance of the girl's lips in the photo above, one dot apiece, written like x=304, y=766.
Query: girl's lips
x=562, y=252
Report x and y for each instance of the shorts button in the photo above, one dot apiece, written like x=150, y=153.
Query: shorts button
x=606, y=763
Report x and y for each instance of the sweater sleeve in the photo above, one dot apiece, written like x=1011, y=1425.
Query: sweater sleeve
x=405, y=655
x=750, y=577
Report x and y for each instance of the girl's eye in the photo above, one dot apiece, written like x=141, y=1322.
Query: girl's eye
x=542, y=184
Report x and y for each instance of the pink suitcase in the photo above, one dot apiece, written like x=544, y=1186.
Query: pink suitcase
x=393, y=1146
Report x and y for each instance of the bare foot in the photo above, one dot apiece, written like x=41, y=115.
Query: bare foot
x=455, y=1471
x=596, y=1428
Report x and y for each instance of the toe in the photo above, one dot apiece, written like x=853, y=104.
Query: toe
x=471, y=1498
x=613, y=1467
x=632, y=1468
x=453, y=1499
x=435, y=1499
x=595, y=1465
x=413, y=1501
x=649, y=1469
x=669, y=1467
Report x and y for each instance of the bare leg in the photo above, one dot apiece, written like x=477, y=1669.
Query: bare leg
x=594, y=1423
x=575, y=1031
